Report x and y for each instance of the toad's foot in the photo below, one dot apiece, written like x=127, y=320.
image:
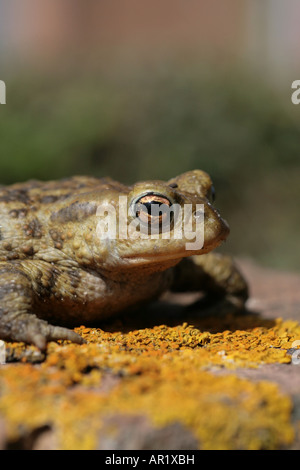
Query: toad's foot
x=32, y=330
x=209, y=306
x=218, y=277
x=17, y=323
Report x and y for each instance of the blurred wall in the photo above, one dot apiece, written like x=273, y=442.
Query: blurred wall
x=44, y=30
x=273, y=38
x=263, y=34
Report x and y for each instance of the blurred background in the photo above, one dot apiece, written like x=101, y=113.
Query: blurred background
x=139, y=89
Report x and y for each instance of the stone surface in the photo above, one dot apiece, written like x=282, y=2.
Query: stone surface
x=165, y=378
x=2, y=434
x=127, y=432
x=273, y=293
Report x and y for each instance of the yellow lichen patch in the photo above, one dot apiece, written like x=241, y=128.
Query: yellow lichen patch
x=223, y=412
x=164, y=373
x=249, y=347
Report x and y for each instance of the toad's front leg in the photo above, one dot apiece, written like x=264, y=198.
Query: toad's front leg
x=214, y=274
x=17, y=323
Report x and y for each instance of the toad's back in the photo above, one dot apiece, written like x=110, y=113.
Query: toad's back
x=25, y=209
x=33, y=194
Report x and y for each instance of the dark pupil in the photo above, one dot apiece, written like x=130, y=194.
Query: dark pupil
x=149, y=205
x=153, y=208
x=154, y=213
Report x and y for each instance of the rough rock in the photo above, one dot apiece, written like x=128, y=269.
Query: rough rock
x=165, y=378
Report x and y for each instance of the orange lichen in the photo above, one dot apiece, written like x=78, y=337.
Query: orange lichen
x=165, y=373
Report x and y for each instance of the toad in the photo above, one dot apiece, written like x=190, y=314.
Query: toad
x=64, y=263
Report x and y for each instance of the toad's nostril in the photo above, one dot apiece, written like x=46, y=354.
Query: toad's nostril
x=199, y=214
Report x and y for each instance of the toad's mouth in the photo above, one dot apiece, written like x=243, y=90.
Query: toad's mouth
x=173, y=253
x=158, y=258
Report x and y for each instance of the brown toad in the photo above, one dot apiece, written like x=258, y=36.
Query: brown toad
x=57, y=265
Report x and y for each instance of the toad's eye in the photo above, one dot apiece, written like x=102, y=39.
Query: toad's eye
x=153, y=210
